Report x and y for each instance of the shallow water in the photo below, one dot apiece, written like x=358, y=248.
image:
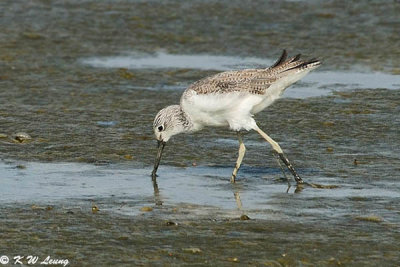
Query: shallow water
x=259, y=194
x=163, y=60
x=85, y=78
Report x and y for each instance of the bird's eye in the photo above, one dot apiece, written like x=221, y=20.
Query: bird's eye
x=160, y=128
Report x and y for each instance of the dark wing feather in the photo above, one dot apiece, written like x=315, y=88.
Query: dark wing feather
x=281, y=59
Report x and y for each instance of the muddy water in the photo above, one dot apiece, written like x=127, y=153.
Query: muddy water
x=85, y=79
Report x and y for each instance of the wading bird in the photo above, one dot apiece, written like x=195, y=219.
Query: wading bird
x=231, y=99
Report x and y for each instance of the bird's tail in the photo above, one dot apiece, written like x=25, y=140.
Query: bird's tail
x=295, y=63
x=293, y=69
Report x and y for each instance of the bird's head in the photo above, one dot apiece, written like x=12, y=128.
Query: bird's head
x=168, y=122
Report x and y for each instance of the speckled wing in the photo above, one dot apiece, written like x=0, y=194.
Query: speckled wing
x=254, y=81
x=249, y=80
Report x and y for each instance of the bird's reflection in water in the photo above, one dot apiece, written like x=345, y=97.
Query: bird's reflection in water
x=290, y=189
x=236, y=192
x=157, y=197
x=294, y=189
x=238, y=200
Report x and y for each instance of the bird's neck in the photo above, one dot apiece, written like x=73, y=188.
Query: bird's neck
x=185, y=121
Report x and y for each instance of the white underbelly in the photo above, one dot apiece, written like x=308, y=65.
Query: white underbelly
x=221, y=109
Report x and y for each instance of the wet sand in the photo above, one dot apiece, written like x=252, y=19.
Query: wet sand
x=85, y=79
x=153, y=238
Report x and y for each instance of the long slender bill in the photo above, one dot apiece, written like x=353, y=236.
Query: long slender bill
x=160, y=146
